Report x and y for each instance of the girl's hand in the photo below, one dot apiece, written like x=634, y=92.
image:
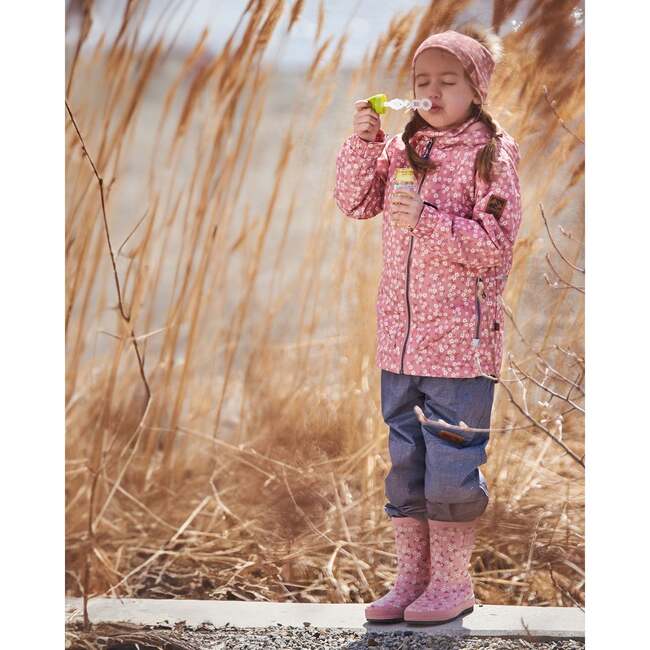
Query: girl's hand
x=366, y=122
x=405, y=208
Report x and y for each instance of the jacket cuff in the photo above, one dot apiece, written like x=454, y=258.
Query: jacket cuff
x=431, y=219
x=368, y=149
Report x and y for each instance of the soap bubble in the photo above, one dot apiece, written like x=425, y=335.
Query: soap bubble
x=578, y=16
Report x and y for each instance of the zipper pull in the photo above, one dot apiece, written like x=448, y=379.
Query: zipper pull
x=480, y=288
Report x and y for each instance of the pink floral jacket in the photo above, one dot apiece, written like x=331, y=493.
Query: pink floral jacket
x=438, y=302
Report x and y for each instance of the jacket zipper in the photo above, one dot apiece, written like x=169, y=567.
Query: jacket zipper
x=427, y=151
x=479, y=295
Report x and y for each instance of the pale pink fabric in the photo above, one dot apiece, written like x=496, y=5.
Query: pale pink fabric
x=412, y=547
x=449, y=592
x=474, y=57
x=428, y=328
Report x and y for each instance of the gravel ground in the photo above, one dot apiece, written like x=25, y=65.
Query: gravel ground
x=278, y=637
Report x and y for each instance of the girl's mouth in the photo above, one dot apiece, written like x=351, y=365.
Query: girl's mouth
x=435, y=109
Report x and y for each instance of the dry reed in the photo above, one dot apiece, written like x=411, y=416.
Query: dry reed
x=224, y=438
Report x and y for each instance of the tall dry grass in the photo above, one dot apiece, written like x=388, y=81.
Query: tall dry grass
x=224, y=436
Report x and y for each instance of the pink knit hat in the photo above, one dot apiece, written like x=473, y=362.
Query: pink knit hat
x=474, y=57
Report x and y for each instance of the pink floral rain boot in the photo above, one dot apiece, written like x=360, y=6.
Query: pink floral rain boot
x=412, y=546
x=449, y=592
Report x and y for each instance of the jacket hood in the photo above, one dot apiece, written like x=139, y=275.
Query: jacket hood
x=471, y=132
x=475, y=58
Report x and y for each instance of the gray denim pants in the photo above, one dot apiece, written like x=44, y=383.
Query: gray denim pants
x=435, y=474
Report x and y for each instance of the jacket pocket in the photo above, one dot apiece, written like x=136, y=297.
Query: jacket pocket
x=479, y=297
x=492, y=313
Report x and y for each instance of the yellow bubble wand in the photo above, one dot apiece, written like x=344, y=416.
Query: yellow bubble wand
x=379, y=103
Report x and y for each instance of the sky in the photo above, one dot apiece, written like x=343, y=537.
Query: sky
x=365, y=20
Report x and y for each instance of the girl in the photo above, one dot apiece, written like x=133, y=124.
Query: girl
x=447, y=252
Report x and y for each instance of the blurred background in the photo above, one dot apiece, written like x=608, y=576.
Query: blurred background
x=224, y=438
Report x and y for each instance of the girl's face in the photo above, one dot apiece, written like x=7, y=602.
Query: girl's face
x=441, y=77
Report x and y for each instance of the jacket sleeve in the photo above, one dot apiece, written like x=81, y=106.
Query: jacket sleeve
x=488, y=237
x=361, y=172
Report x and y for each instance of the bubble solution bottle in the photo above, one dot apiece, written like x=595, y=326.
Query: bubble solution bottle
x=380, y=102
x=404, y=179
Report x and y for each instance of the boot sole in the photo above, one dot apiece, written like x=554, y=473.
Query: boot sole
x=384, y=620
x=469, y=610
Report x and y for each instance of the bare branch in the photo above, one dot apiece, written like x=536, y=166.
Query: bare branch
x=137, y=338
x=568, y=234
x=92, y=522
x=125, y=316
x=137, y=225
x=578, y=359
x=510, y=315
x=463, y=427
x=546, y=388
x=559, y=252
x=540, y=426
x=567, y=284
x=552, y=103
x=576, y=380
x=537, y=353
x=561, y=376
